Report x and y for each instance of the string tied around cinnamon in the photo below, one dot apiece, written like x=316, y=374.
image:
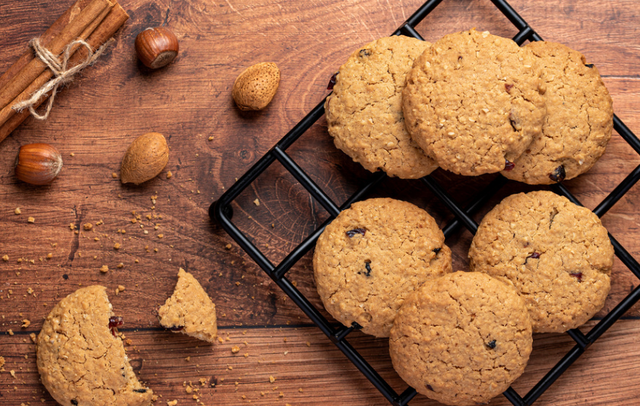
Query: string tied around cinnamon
x=62, y=74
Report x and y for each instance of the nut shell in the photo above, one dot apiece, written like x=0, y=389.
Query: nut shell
x=156, y=47
x=145, y=158
x=38, y=164
x=256, y=86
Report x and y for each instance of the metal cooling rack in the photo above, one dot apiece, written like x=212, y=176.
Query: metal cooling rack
x=222, y=212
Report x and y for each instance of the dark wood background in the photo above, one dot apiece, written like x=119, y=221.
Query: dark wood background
x=116, y=100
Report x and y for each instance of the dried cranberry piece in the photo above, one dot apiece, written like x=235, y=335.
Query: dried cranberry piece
x=577, y=275
x=535, y=255
x=142, y=390
x=364, y=52
x=508, y=87
x=355, y=231
x=74, y=402
x=491, y=344
x=508, y=165
x=332, y=81
x=437, y=250
x=176, y=328
x=114, y=323
x=430, y=388
x=558, y=174
x=588, y=65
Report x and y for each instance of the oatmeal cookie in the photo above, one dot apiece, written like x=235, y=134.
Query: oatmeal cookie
x=364, y=112
x=190, y=310
x=79, y=359
x=578, y=123
x=372, y=256
x=557, y=255
x=473, y=103
x=461, y=339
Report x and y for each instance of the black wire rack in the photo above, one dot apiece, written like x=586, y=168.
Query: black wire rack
x=222, y=212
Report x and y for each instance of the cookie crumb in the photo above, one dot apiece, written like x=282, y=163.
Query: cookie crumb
x=169, y=175
x=5, y=258
x=10, y=332
x=34, y=338
x=26, y=323
x=235, y=349
x=172, y=402
x=228, y=246
x=104, y=269
x=114, y=175
x=210, y=138
x=116, y=246
x=87, y=226
x=31, y=220
x=17, y=211
x=256, y=202
x=72, y=154
x=272, y=379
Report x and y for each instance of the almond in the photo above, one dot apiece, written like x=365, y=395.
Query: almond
x=255, y=87
x=145, y=158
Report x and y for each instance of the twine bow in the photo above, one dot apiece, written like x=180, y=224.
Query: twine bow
x=60, y=71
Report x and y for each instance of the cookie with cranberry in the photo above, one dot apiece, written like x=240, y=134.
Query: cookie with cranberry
x=80, y=358
x=461, y=339
x=472, y=102
x=578, y=123
x=372, y=256
x=558, y=256
x=364, y=113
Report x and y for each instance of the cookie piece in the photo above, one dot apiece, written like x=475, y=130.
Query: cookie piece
x=461, y=339
x=372, y=256
x=190, y=310
x=473, y=102
x=579, y=118
x=364, y=112
x=557, y=255
x=81, y=362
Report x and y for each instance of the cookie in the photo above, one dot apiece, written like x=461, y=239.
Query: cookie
x=372, y=256
x=472, y=102
x=364, y=113
x=557, y=255
x=578, y=123
x=190, y=310
x=461, y=339
x=81, y=362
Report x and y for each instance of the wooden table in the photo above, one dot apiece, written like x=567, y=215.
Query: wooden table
x=212, y=143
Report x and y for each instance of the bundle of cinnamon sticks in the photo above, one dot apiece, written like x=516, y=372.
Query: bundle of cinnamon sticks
x=92, y=21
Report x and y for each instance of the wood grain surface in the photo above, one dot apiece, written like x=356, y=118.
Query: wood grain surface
x=212, y=143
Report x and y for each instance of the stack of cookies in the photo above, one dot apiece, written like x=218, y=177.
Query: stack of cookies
x=471, y=103
x=539, y=264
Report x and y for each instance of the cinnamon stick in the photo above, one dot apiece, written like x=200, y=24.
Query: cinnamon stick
x=69, y=33
x=45, y=39
x=7, y=112
x=112, y=22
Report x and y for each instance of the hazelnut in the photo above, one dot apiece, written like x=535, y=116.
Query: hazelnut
x=256, y=86
x=156, y=47
x=145, y=158
x=38, y=164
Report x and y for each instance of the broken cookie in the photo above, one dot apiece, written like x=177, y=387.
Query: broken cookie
x=79, y=359
x=190, y=310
